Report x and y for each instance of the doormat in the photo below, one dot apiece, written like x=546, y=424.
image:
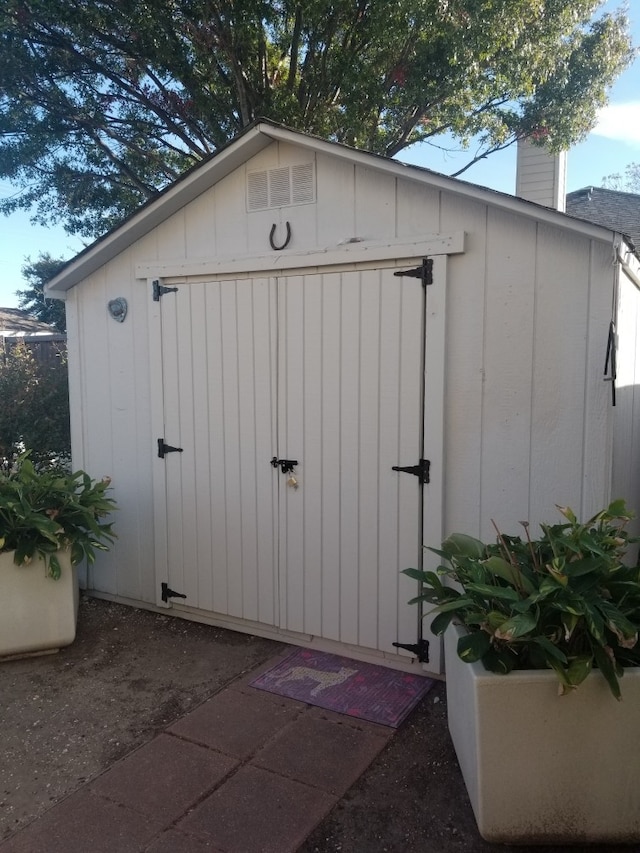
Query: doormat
x=364, y=690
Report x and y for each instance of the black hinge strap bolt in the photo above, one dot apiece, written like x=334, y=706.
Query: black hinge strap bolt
x=169, y=593
x=160, y=290
x=164, y=448
x=419, y=649
x=421, y=470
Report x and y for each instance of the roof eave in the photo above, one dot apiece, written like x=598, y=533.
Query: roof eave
x=251, y=142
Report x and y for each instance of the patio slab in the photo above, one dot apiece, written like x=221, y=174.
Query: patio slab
x=259, y=812
x=324, y=753
x=237, y=722
x=163, y=778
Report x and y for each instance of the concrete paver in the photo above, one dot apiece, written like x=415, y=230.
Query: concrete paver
x=259, y=812
x=164, y=777
x=85, y=822
x=321, y=752
x=237, y=722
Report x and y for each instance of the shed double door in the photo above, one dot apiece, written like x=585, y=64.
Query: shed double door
x=324, y=371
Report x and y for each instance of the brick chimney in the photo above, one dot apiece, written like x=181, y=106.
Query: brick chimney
x=540, y=176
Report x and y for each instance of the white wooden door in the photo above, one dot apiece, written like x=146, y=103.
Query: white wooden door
x=218, y=368
x=326, y=370
x=350, y=357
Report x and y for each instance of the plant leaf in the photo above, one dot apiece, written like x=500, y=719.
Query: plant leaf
x=472, y=647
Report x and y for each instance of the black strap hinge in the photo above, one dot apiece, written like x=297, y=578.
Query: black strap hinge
x=169, y=593
x=160, y=290
x=421, y=470
x=164, y=448
x=419, y=649
x=424, y=272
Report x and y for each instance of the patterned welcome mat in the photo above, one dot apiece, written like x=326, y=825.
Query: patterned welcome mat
x=363, y=690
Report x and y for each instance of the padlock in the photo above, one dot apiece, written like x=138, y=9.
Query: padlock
x=292, y=482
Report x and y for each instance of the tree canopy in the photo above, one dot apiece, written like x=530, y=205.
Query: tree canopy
x=105, y=102
x=33, y=300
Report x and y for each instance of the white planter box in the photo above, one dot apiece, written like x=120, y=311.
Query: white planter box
x=37, y=613
x=542, y=768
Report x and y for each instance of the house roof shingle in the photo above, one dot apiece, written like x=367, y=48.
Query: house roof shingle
x=617, y=210
x=14, y=321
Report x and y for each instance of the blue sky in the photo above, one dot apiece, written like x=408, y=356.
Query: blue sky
x=613, y=144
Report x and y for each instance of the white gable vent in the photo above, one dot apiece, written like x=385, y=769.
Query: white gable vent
x=281, y=187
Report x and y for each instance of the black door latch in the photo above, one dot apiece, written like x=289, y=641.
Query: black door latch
x=286, y=465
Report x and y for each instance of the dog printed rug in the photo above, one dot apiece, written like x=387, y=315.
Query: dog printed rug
x=363, y=690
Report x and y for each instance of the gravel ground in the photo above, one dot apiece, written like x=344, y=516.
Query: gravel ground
x=66, y=717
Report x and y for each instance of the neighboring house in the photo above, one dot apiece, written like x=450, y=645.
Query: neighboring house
x=44, y=341
x=302, y=362
x=616, y=210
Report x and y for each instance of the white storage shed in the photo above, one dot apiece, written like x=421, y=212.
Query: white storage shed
x=257, y=354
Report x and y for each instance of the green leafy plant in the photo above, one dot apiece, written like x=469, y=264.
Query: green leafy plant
x=46, y=510
x=565, y=601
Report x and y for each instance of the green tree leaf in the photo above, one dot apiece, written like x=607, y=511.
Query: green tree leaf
x=105, y=104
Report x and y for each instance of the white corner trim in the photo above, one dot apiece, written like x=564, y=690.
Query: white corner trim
x=347, y=253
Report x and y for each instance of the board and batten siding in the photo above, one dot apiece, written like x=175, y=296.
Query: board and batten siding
x=528, y=421
x=626, y=455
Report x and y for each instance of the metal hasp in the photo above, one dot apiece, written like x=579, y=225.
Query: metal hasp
x=160, y=290
x=419, y=649
x=163, y=448
x=421, y=470
x=423, y=272
x=286, y=465
x=169, y=593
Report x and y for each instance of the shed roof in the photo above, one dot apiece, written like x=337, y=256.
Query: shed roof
x=250, y=142
x=617, y=210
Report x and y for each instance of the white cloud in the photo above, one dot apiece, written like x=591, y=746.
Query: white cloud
x=620, y=122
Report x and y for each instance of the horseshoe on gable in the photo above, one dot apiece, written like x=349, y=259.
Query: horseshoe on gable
x=272, y=241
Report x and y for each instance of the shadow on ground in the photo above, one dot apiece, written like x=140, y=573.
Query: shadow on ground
x=67, y=717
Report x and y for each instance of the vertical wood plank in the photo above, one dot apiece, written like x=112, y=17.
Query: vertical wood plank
x=292, y=446
x=311, y=485
x=231, y=408
x=330, y=511
x=218, y=458
x=368, y=454
x=201, y=471
x=349, y=401
x=389, y=455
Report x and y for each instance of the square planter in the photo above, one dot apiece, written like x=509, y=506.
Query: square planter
x=37, y=613
x=542, y=768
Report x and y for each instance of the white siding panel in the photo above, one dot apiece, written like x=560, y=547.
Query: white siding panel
x=200, y=227
x=336, y=201
x=626, y=454
x=559, y=373
x=508, y=357
x=466, y=299
x=599, y=412
x=375, y=204
x=231, y=220
x=418, y=211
